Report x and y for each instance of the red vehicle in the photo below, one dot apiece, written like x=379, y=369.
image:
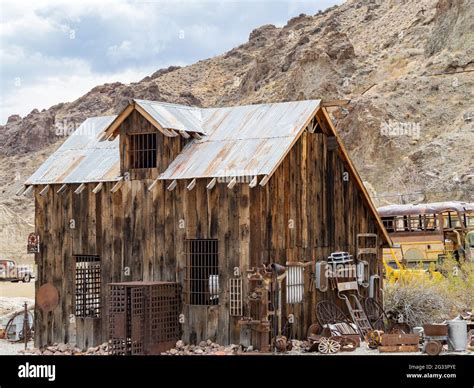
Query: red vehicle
x=15, y=273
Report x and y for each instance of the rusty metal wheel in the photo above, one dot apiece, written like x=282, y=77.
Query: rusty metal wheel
x=329, y=313
x=328, y=346
x=433, y=347
x=377, y=316
x=347, y=344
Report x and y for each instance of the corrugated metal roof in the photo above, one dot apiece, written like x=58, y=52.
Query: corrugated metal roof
x=424, y=208
x=242, y=140
x=82, y=157
x=173, y=116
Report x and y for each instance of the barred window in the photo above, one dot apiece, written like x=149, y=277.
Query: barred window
x=142, y=150
x=235, y=297
x=202, y=272
x=87, y=286
x=294, y=283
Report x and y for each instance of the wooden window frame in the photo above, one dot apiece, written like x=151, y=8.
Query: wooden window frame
x=142, y=150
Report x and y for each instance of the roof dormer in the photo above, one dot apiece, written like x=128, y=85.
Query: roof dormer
x=151, y=136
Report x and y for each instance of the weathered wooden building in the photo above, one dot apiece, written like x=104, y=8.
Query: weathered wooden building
x=200, y=197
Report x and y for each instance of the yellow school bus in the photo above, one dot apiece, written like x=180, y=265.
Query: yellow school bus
x=423, y=234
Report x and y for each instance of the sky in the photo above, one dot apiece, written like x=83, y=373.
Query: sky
x=54, y=51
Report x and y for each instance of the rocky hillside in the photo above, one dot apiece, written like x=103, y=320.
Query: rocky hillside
x=407, y=67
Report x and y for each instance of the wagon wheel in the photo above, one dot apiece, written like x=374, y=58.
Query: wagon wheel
x=377, y=316
x=374, y=338
x=329, y=313
x=328, y=346
x=347, y=344
x=433, y=347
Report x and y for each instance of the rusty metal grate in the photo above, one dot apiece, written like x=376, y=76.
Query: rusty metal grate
x=165, y=307
x=143, y=317
x=294, y=283
x=118, y=341
x=143, y=150
x=87, y=286
x=235, y=297
x=202, y=272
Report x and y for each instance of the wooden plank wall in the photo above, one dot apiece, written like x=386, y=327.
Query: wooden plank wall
x=306, y=222
x=289, y=219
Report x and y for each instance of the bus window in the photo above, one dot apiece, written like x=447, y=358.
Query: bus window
x=399, y=224
x=469, y=220
x=389, y=224
x=451, y=220
x=430, y=222
x=446, y=220
x=455, y=221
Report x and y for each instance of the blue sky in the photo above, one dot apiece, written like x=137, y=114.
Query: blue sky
x=56, y=50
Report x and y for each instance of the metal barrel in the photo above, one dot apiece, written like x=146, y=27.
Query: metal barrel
x=457, y=335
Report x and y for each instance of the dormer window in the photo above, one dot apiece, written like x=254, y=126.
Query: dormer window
x=143, y=150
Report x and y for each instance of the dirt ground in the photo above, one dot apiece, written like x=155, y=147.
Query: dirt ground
x=25, y=290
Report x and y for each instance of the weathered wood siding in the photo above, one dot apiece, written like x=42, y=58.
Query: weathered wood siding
x=305, y=212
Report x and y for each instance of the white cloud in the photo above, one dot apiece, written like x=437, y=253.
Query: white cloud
x=78, y=80
x=55, y=50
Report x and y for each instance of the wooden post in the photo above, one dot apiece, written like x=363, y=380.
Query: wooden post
x=264, y=180
x=28, y=190
x=44, y=191
x=191, y=184
x=232, y=183
x=172, y=185
x=80, y=189
x=253, y=182
x=21, y=190
x=62, y=189
x=211, y=184
x=97, y=189
x=153, y=184
x=117, y=186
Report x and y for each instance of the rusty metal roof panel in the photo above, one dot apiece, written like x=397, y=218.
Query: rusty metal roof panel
x=242, y=141
x=173, y=116
x=82, y=157
x=425, y=208
x=257, y=121
x=238, y=141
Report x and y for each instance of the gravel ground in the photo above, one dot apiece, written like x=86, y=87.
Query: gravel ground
x=8, y=348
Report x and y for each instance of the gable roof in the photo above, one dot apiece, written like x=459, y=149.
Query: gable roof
x=245, y=140
x=250, y=140
x=169, y=119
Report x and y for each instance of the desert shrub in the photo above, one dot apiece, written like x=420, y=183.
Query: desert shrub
x=421, y=300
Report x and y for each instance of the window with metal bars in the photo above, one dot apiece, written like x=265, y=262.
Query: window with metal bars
x=294, y=283
x=87, y=286
x=142, y=150
x=202, y=272
x=235, y=297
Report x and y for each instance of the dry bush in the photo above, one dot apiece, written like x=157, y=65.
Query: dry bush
x=425, y=300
